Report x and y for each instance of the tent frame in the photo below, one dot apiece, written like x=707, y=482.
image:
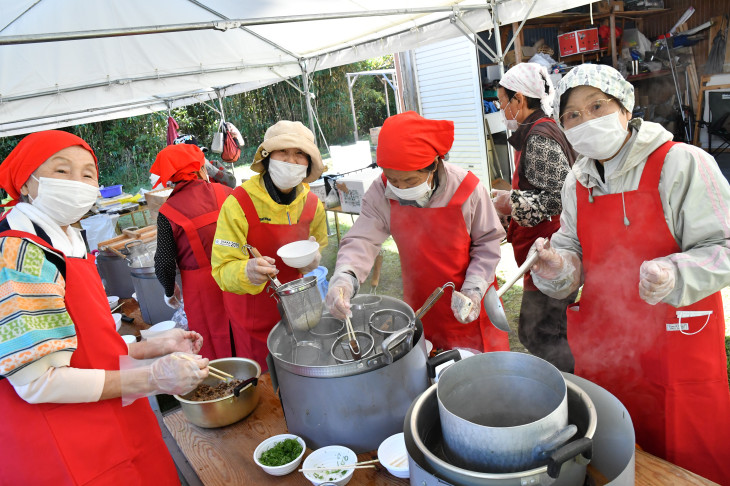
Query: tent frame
x=383, y=74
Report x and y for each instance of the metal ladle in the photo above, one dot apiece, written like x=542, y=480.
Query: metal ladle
x=492, y=304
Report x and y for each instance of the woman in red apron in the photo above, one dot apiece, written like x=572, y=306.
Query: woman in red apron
x=543, y=158
x=645, y=227
x=266, y=212
x=445, y=227
x=61, y=385
x=185, y=231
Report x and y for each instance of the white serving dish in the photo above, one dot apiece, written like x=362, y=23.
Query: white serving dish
x=330, y=456
x=117, y=319
x=298, y=254
x=271, y=442
x=113, y=301
x=157, y=329
x=393, y=455
x=129, y=338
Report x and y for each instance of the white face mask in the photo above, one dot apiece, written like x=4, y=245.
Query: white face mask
x=64, y=201
x=511, y=125
x=420, y=193
x=285, y=175
x=600, y=138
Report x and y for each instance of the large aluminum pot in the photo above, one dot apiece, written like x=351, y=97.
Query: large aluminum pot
x=231, y=408
x=358, y=410
x=502, y=411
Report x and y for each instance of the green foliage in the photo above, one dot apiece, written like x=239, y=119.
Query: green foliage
x=126, y=148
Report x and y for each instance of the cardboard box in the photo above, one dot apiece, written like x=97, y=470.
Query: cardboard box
x=374, y=132
x=578, y=42
x=317, y=187
x=155, y=199
x=352, y=188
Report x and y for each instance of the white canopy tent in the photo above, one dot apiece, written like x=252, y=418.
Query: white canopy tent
x=81, y=61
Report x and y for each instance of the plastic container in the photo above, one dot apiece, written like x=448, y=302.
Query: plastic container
x=157, y=329
x=298, y=254
x=392, y=454
x=330, y=457
x=322, y=283
x=111, y=191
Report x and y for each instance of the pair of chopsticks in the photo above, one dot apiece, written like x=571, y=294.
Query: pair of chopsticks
x=399, y=461
x=351, y=333
x=117, y=307
x=359, y=465
x=221, y=375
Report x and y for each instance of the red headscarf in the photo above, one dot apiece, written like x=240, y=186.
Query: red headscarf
x=410, y=142
x=178, y=163
x=30, y=154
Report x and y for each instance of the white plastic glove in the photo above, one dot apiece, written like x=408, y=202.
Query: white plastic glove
x=656, y=280
x=315, y=262
x=175, y=376
x=456, y=304
x=550, y=264
x=258, y=269
x=175, y=300
x=338, y=303
x=171, y=374
x=174, y=340
x=502, y=202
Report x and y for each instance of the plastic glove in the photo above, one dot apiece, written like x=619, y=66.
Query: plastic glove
x=258, y=269
x=176, y=376
x=170, y=374
x=476, y=299
x=175, y=300
x=174, y=340
x=502, y=202
x=338, y=303
x=550, y=264
x=656, y=280
x=315, y=262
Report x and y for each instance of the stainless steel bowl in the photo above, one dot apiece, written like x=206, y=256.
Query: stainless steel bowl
x=229, y=409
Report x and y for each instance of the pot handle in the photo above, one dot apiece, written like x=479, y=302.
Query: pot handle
x=439, y=359
x=543, y=449
x=395, y=337
x=582, y=446
x=237, y=390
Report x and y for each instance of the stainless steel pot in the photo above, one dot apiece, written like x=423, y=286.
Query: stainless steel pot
x=150, y=295
x=502, y=412
x=229, y=409
x=358, y=409
x=115, y=274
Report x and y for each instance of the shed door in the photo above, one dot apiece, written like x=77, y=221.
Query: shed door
x=449, y=88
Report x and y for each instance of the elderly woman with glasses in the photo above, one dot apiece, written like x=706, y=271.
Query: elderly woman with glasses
x=645, y=228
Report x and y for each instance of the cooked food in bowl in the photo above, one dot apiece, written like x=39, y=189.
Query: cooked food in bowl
x=207, y=392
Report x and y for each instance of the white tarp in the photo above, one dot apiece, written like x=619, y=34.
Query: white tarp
x=60, y=82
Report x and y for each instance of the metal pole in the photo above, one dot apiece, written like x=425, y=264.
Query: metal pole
x=676, y=89
x=352, y=103
x=500, y=62
x=307, y=97
x=387, y=101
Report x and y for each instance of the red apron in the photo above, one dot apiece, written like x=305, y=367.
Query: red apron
x=434, y=249
x=98, y=443
x=522, y=237
x=203, y=297
x=256, y=315
x=673, y=382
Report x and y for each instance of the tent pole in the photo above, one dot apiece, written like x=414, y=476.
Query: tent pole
x=352, y=103
x=307, y=96
x=387, y=100
x=500, y=62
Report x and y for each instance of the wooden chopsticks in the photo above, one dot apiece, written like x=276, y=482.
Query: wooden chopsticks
x=399, y=460
x=358, y=465
x=221, y=375
x=351, y=333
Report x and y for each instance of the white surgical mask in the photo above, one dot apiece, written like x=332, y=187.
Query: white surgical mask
x=600, y=138
x=420, y=193
x=64, y=201
x=285, y=175
x=511, y=125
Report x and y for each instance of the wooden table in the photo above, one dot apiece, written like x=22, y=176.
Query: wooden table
x=336, y=211
x=224, y=456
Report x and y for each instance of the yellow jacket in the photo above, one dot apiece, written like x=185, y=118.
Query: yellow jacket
x=229, y=257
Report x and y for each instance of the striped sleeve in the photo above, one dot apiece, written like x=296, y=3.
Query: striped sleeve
x=34, y=323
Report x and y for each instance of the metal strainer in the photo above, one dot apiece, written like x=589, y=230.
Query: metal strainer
x=302, y=303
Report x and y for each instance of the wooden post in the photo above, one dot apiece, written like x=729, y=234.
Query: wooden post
x=612, y=26
x=518, y=43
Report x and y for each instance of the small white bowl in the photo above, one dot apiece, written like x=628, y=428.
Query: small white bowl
x=129, y=338
x=330, y=457
x=271, y=442
x=298, y=254
x=392, y=451
x=157, y=329
x=117, y=319
x=113, y=301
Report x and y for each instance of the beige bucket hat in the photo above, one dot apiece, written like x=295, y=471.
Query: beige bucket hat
x=286, y=134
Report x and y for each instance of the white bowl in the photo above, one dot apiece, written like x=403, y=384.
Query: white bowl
x=129, y=338
x=113, y=301
x=271, y=442
x=392, y=454
x=157, y=329
x=298, y=254
x=330, y=457
x=117, y=319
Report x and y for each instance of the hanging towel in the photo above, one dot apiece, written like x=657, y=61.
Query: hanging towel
x=172, y=127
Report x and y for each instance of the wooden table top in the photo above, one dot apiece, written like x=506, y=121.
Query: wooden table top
x=224, y=456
